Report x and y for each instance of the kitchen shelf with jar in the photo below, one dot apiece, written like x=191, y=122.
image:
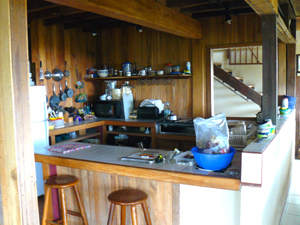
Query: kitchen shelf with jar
x=99, y=79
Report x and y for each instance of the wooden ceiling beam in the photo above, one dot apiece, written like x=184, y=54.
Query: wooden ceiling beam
x=52, y=13
x=187, y=3
x=222, y=13
x=214, y=6
x=118, y=24
x=69, y=19
x=264, y=7
x=283, y=32
x=296, y=6
x=146, y=13
x=89, y=23
x=36, y=5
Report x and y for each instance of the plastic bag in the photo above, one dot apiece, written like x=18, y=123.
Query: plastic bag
x=212, y=135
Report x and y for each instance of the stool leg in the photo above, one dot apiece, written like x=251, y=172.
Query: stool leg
x=46, y=205
x=146, y=213
x=123, y=215
x=111, y=214
x=80, y=204
x=134, y=215
x=63, y=206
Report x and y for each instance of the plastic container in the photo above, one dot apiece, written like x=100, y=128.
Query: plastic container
x=241, y=128
x=213, y=161
x=127, y=67
x=292, y=101
x=176, y=68
x=168, y=68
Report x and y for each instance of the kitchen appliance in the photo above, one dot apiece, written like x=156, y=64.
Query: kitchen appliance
x=109, y=109
x=180, y=126
x=151, y=112
x=39, y=128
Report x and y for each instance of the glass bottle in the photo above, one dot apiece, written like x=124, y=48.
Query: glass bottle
x=168, y=68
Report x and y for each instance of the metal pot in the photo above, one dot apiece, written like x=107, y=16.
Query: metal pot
x=171, y=117
x=57, y=74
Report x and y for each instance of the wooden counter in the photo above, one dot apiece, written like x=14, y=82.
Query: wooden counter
x=101, y=171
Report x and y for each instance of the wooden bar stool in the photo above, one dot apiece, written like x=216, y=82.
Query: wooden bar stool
x=128, y=197
x=61, y=182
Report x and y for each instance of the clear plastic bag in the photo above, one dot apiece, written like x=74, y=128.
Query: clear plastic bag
x=212, y=135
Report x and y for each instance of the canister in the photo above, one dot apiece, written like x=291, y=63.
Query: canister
x=126, y=68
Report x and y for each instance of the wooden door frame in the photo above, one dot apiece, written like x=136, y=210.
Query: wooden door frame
x=209, y=68
x=17, y=172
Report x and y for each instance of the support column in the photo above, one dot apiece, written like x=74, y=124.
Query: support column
x=17, y=170
x=270, y=67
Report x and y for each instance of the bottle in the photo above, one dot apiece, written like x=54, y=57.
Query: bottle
x=188, y=67
x=116, y=73
x=242, y=128
x=41, y=72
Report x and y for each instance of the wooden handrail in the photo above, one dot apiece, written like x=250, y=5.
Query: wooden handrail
x=238, y=85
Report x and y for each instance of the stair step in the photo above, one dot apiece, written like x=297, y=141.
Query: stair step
x=228, y=71
x=251, y=86
x=240, y=79
x=218, y=64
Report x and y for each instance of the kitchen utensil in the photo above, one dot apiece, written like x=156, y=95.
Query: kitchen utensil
x=54, y=100
x=68, y=91
x=48, y=74
x=57, y=74
x=41, y=72
x=102, y=73
x=142, y=73
x=62, y=95
x=66, y=72
x=160, y=72
x=171, y=117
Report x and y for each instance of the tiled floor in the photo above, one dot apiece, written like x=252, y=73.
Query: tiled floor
x=291, y=214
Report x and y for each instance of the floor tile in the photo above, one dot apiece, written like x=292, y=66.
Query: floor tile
x=294, y=191
x=293, y=209
x=291, y=220
x=293, y=199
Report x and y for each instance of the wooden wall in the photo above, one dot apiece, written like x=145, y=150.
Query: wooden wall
x=188, y=97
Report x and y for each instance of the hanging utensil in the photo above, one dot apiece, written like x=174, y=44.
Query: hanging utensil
x=57, y=74
x=62, y=95
x=68, y=91
x=66, y=72
x=48, y=74
x=41, y=78
x=54, y=100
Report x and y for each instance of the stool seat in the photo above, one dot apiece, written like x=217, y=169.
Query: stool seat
x=61, y=181
x=127, y=197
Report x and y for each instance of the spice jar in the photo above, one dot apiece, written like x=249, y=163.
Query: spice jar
x=168, y=68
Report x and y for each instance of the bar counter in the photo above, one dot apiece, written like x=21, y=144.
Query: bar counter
x=101, y=171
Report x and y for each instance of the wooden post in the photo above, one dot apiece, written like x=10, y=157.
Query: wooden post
x=270, y=67
x=17, y=172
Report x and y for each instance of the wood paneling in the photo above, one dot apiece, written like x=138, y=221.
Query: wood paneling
x=244, y=31
x=188, y=98
x=17, y=172
x=94, y=187
x=281, y=69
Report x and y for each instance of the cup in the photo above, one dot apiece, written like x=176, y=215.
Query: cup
x=142, y=73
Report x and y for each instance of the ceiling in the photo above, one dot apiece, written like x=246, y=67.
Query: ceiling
x=54, y=14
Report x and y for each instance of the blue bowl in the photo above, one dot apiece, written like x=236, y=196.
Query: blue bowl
x=213, y=161
x=292, y=101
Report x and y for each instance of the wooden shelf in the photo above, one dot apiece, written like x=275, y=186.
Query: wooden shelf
x=81, y=137
x=183, y=76
x=129, y=133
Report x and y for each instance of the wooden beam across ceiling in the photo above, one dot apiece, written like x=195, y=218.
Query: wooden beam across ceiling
x=187, y=3
x=296, y=6
x=52, y=12
x=62, y=19
x=264, y=7
x=146, y=13
x=36, y=5
x=283, y=32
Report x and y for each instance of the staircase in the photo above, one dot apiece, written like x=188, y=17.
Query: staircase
x=245, y=55
x=237, y=86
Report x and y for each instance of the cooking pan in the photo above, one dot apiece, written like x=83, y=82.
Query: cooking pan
x=68, y=91
x=62, y=95
x=48, y=74
x=57, y=74
x=54, y=100
x=66, y=72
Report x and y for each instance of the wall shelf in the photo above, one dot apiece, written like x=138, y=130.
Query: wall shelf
x=183, y=76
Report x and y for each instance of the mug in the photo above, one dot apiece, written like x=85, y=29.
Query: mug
x=142, y=73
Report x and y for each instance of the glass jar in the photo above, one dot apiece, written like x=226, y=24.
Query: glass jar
x=168, y=68
x=167, y=110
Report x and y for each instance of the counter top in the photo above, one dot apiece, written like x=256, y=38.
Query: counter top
x=106, y=159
